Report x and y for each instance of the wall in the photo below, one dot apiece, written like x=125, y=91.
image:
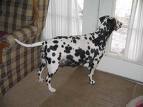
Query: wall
x=90, y=15
x=108, y=63
x=94, y=9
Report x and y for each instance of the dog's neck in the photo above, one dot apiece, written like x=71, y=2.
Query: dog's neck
x=103, y=33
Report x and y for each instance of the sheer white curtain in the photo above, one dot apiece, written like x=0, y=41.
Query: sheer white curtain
x=134, y=48
x=64, y=18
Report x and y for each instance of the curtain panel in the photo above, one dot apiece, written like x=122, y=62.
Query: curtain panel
x=134, y=47
x=64, y=19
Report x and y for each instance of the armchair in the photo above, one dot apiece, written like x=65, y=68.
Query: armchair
x=24, y=20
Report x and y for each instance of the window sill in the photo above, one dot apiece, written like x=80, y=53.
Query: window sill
x=122, y=58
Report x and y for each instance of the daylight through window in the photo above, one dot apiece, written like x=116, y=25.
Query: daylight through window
x=122, y=12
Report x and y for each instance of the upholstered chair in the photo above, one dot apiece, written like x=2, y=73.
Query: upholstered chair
x=24, y=20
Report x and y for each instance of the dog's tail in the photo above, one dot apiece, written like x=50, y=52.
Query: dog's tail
x=29, y=45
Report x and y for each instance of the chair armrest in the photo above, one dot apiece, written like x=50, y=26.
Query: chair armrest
x=23, y=34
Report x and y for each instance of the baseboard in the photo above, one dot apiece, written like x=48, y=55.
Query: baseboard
x=122, y=68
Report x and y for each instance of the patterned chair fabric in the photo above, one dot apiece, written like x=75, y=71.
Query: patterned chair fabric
x=17, y=18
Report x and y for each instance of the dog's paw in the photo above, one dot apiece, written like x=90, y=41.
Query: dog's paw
x=52, y=89
x=92, y=82
x=41, y=80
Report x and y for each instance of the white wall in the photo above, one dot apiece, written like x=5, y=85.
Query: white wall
x=90, y=15
x=106, y=7
x=93, y=9
x=108, y=63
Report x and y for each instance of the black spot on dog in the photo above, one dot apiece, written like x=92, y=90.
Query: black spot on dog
x=86, y=59
x=54, y=48
x=87, y=52
x=100, y=42
x=91, y=65
x=92, y=34
x=49, y=60
x=101, y=56
x=61, y=37
x=50, y=75
x=92, y=50
x=48, y=50
x=78, y=38
x=85, y=37
x=45, y=42
x=97, y=62
x=53, y=62
x=41, y=66
x=90, y=58
x=74, y=41
x=49, y=81
x=82, y=61
x=70, y=57
x=96, y=52
x=96, y=42
x=80, y=52
x=53, y=54
x=90, y=38
x=45, y=50
x=64, y=43
x=68, y=49
x=62, y=46
x=70, y=61
x=55, y=41
x=59, y=58
x=46, y=80
x=88, y=47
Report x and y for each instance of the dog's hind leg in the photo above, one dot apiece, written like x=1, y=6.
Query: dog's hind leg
x=42, y=66
x=51, y=71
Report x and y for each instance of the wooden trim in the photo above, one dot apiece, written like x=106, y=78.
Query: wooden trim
x=2, y=46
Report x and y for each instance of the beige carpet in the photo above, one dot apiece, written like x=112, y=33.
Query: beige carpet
x=73, y=90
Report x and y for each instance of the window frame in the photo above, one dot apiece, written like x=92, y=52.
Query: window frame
x=108, y=49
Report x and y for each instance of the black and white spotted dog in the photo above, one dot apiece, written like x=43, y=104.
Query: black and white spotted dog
x=86, y=50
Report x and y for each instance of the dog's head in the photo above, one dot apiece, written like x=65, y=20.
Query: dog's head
x=110, y=22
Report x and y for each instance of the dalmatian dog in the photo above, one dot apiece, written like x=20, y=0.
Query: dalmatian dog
x=86, y=50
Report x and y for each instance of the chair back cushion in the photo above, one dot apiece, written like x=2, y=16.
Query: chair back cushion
x=15, y=14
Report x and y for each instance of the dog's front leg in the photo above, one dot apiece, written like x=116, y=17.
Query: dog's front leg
x=91, y=75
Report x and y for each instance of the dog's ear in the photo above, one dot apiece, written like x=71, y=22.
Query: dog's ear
x=114, y=24
x=102, y=18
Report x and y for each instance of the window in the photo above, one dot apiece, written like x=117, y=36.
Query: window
x=119, y=38
x=64, y=18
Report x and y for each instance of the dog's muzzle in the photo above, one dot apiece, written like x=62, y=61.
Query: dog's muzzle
x=118, y=25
